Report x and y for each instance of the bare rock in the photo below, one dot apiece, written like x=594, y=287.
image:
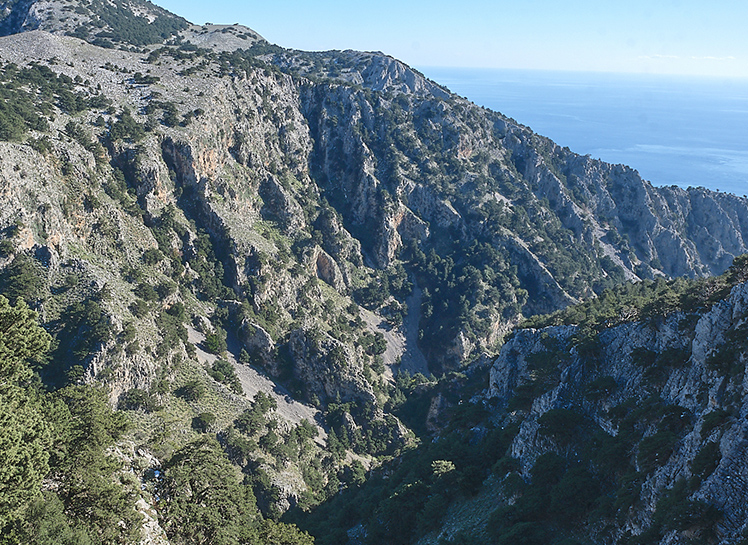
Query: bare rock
x=329, y=369
x=260, y=346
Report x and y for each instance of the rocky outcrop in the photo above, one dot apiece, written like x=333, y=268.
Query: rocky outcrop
x=704, y=373
x=400, y=225
x=282, y=166
x=329, y=369
x=280, y=205
x=383, y=73
x=326, y=269
x=260, y=346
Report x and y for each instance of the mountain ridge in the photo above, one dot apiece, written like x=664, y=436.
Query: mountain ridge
x=605, y=206
x=201, y=183
x=633, y=224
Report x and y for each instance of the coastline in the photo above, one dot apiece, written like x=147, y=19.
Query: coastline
x=675, y=130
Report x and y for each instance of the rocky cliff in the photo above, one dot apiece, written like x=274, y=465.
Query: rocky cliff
x=157, y=175
x=258, y=137
x=664, y=400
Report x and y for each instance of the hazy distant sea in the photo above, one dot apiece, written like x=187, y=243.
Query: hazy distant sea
x=674, y=130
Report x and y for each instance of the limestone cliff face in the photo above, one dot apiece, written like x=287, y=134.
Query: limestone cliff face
x=371, y=159
x=301, y=165
x=667, y=231
x=202, y=174
x=329, y=368
x=704, y=376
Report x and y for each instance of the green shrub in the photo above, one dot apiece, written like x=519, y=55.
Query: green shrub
x=222, y=371
x=165, y=289
x=146, y=291
x=250, y=422
x=172, y=331
x=152, y=256
x=562, y=424
x=706, y=460
x=23, y=279
x=215, y=343
x=575, y=495
x=655, y=450
x=126, y=128
x=137, y=399
x=600, y=388
x=712, y=420
x=6, y=247
x=139, y=308
x=191, y=391
x=238, y=448
x=204, y=422
x=725, y=359
x=675, y=511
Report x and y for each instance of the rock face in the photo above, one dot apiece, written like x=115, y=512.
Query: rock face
x=260, y=346
x=329, y=368
x=175, y=172
x=700, y=369
x=254, y=170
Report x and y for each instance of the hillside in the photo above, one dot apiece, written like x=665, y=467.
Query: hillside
x=628, y=430
x=198, y=216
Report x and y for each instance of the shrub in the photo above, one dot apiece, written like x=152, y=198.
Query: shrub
x=152, y=256
x=204, y=422
x=706, y=460
x=575, y=495
x=136, y=399
x=600, y=388
x=172, y=331
x=562, y=424
x=222, y=371
x=146, y=291
x=23, y=279
x=126, y=128
x=712, y=420
x=215, y=343
x=675, y=511
x=139, y=308
x=191, y=391
x=249, y=422
x=6, y=247
x=655, y=450
x=165, y=289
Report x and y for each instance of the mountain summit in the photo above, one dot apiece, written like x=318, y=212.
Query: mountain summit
x=117, y=23
x=102, y=22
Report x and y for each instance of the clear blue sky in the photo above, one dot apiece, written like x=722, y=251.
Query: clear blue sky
x=654, y=36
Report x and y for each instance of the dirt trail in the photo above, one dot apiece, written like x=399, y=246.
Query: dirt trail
x=253, y=381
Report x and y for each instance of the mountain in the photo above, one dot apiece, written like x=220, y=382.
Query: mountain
x=102, y=22
x=656, y=405
x=198, y=215
x=621, y=420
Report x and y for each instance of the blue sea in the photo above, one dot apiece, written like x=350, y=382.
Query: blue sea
x=674, y=130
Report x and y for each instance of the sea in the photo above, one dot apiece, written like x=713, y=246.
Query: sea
x=674, y=130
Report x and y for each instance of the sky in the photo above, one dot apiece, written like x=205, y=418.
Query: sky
x=689, y=37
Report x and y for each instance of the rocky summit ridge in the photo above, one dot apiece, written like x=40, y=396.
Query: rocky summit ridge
x=332, y=222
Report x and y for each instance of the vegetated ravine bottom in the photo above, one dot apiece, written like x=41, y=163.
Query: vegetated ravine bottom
x=258, y=295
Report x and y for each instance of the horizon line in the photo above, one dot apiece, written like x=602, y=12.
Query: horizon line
x=420, y=67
